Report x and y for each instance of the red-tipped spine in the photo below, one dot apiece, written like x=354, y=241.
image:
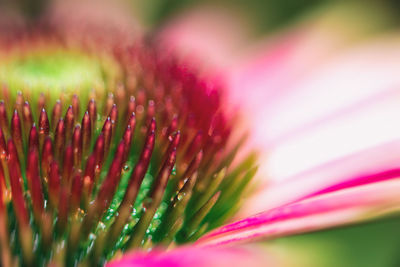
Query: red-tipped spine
x=89, y=178
x=77, y=146
x=16, y=188
x=109, y=104
x=5, y=92
x=151, y=110
x=54, y=184
x=56, y=114
x=98, y=151
x=6, y=258
x=20, y=208
x=156, y=195
x=190, y=170
x=152, y=126
x=174, y=142
x=3, y=161
x=59, y=140
x=92, y=109
x=44, y=126
x=173, y=126
x=4, y=119
x=194, y=165
x=194, y=147
x=127, y=138
x=107, y=131
x=132, y=121
x=3, y=185
x=33, y=140
x=67, y=166
x=63, y=207
x=47, y=157
x=16, y=133
x=114, y=117
x=131, y=108
x=132, y=190
x=76, y=191
x=86, y=134
x=27, y=117
x=13, y=154
x=69, y=123
x=114, y=113
x=34, y=183
x=108, y=187
x=106, y=192
x=3, y=146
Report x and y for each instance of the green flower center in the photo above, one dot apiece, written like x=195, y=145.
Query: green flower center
x=58, y=69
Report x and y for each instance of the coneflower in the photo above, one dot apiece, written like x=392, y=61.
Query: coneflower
x=107, y=147
x=114, y=151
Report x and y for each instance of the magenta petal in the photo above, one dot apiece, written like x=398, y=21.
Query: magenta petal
x=206, y=35
x=375, y=164
x=358, y=181
x=347, y=206
x=194, y=257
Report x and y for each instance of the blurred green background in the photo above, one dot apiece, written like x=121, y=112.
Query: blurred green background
x=263, y=15
x=373, y=244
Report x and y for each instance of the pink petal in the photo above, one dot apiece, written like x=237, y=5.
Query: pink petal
x=319, y=123
x=345, y=106
x=350, y=138
x=356, y=128
x=372, y=164
x=273, y=68
x=195, y=257
x=347, y=206
x=352, y=81
x=207, y=36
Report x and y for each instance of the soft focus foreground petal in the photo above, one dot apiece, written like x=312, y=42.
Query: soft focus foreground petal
x=342, y=207
x=272, y=68
x=371, y=164
x=303, y=79
x=208, y=36
x=347, y=105
x=354, y=134
x=196, y=257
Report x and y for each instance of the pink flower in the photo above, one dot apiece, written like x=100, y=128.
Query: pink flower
x=92, y=195
x=195, y=256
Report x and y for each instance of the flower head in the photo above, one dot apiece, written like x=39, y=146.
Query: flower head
x=108, y=145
